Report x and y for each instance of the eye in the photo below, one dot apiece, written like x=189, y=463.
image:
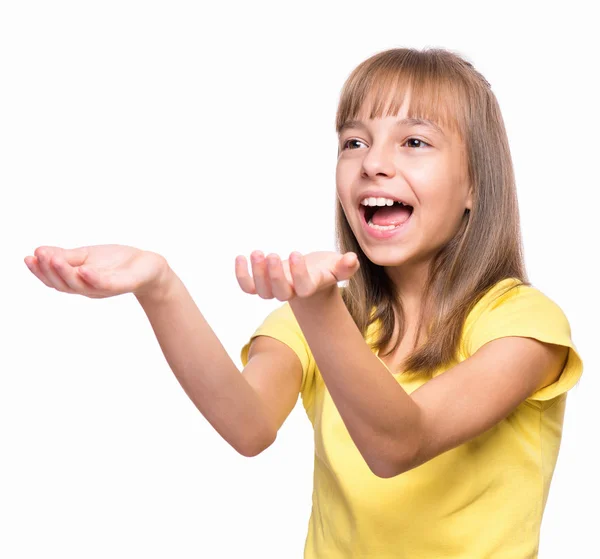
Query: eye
x=417, y=140
x=351, y=141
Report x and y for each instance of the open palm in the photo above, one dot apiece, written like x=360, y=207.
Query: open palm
x=97, y=271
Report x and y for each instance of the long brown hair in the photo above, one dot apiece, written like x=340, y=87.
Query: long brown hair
x=487, y=248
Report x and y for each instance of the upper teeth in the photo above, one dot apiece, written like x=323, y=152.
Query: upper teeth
x=380, y=202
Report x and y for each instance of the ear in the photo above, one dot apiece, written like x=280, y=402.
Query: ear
x=469, y=202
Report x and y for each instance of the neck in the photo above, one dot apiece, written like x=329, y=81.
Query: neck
x=410, y=284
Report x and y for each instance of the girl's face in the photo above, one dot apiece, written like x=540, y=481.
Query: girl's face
x=415, y=163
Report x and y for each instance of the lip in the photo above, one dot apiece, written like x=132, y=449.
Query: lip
x=383, y=194
x=376, y=234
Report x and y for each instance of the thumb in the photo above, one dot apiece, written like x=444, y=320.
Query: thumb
x=346, y=266
x=76, y=256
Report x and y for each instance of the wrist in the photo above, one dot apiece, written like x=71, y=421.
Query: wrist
x=161, y=288
x=317, y=300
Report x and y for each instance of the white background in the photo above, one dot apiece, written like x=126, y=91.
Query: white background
x=201, y=133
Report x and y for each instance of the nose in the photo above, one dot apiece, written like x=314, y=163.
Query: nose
x=379, y=161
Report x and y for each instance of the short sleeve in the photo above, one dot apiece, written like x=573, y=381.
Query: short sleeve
x=281, y=324
x=525, y=311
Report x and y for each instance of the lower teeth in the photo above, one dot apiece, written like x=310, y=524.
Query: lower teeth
x=383, y=227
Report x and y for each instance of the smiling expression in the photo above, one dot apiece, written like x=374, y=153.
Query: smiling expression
x=416, y=162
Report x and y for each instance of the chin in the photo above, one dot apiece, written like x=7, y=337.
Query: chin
x=387, y=256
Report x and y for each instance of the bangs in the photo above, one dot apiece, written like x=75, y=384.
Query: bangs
x=380, y=85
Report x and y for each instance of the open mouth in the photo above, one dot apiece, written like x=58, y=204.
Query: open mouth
x=386, y=217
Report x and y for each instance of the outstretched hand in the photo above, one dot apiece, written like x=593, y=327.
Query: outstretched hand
x=300, y=276
x=100, y=271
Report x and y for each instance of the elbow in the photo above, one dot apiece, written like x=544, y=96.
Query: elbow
x=254, y=447
x=384, y=471
x=405, y=452
x=389, y=469
x=409, y=457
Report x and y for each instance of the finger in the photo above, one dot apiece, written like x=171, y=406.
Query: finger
x=98, y=281
x=287, y=272
x=261, y=277
x=68, y=274
x=34, y=267
x=243, y=277
x=346, y=266
x=75, y=256
x=105, y=282
x=44, y=256
x=280, y=285
x=303, y=284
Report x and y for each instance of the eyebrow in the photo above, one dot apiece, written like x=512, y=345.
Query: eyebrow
x=402, y=122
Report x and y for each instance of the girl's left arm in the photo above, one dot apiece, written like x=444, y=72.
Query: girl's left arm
x=395, y=431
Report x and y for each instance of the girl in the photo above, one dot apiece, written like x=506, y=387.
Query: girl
x=435, y=378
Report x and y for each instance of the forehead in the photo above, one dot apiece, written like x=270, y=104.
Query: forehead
x=424, y=107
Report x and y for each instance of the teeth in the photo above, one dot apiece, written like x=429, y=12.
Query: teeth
x=372, y=201
x=383, y=227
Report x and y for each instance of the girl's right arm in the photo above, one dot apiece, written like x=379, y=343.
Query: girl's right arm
x=246, y=409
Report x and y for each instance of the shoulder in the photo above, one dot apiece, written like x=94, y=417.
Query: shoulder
x=510, y=290
x=513, y=309
x=512, y=304
x=281, y=324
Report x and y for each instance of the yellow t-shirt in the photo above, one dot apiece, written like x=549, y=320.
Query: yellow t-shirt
x=483, y=499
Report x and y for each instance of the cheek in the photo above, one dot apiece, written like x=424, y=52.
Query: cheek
x=343, y=186
x=441, y=208
x=441, y=217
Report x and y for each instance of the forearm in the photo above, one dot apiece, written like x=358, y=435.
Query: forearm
x=380, y=416
x=204, y=369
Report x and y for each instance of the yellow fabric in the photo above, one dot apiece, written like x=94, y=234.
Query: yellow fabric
x=483, y=499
